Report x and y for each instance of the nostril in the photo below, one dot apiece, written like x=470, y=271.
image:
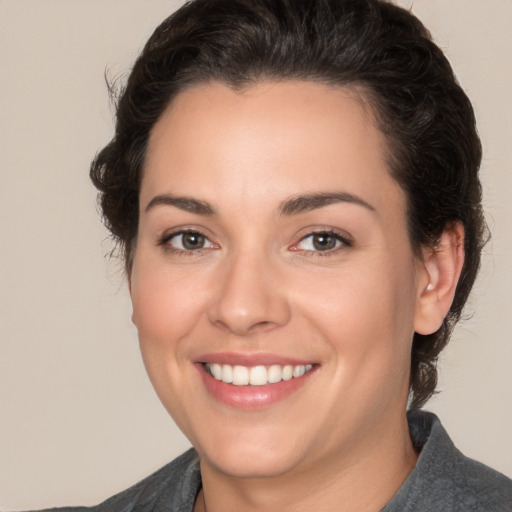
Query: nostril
x=244, y=328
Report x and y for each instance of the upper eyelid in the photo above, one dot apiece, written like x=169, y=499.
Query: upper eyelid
x=340, y=235
x=167, y=235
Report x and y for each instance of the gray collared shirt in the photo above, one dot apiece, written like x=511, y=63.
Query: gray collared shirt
x=443, y=480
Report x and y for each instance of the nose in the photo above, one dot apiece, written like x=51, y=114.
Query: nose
x=250, y=297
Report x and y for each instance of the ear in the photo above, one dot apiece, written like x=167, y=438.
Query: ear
x=439, y=273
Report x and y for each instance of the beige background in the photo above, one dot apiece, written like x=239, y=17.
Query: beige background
x=78, y=418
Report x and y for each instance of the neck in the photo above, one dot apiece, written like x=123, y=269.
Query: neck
x=365, y=478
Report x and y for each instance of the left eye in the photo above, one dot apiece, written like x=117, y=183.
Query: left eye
x=322, y=241
x=189, y=241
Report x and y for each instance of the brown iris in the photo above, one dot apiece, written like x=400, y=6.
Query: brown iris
x=191, y=241
x=323, y=241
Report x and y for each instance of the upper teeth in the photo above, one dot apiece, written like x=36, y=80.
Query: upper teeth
x=255, y=375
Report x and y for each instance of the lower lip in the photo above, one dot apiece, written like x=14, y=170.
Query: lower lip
x=252, y=397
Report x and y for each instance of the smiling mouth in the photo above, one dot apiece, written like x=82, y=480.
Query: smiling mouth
x=255, y=375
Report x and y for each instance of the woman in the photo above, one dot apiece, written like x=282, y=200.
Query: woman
x=294, y=189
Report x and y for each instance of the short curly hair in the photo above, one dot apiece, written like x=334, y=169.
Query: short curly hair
x=434, y=149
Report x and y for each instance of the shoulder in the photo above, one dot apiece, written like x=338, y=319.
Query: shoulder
x=444, y=479
x=174, y=487
x=479, y=487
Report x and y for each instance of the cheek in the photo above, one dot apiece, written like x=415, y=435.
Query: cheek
x=366, y=314
x=361, y=299
x=166, y=308
x=166, y=305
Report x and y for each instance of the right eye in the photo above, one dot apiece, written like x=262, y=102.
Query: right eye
x=187, y=241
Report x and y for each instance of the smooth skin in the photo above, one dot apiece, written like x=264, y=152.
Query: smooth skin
x=336, y=284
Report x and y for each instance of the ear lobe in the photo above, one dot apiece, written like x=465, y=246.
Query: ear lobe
x=440, y=271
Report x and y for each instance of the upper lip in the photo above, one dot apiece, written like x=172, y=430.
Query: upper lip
x=254, y=359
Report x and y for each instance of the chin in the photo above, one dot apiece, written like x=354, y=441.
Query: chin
x=255, y=463
x=251, y=456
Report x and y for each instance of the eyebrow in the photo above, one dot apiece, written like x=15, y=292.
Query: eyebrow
x=293, y=206
x=188, y=204
x=308, y=202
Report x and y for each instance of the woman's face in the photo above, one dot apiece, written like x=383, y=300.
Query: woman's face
x=272, y=240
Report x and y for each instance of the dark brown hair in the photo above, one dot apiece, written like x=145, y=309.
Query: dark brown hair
x=434, y=149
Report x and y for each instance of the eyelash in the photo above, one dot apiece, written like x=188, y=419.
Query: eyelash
x=165, y=240
x=344, y=241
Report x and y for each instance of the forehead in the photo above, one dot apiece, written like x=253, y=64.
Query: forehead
x=268, y=140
